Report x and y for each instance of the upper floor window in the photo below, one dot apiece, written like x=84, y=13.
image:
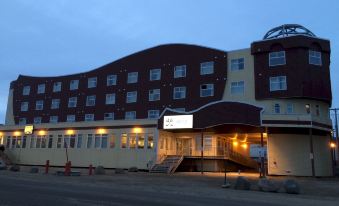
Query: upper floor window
x=41, y=88
x=109, y=116
x=206, y=90
x=206, y=68
x=74, y=84
x=90, y=101
x=111, y=80
x=39, y=105
x=37, y=120
x=155, y=74
x=57, y=87
x=53, y=119
x=55, y=103
x=154, y=95
x=180, y=71
x=92, y=82
x=132, y=77
x=70, y=118
x=153, y=114
x=26, y=90
x=72, y=102
x=110, y=98
x=24, y=106
x=22, y=121
x=131, y=97
x=277, y=58
x=179, y=93
x=278, y=83
x=130, y=115
x=276, y=108
x=289, y=108
x=237, y=64
x=89, y=117
x=314, y=57
x=237, y=87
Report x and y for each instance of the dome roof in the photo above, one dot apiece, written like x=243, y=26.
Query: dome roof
x=287, y=30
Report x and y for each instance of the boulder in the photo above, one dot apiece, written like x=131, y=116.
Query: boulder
x=34, y=170
x=15, y=168
x=291, y=186
x=133, y=169
x=2, y=165
x=242, y=183
x=119, y=171
x=267, y=185
x=99, y=170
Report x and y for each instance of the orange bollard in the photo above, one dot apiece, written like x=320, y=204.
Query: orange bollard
x=47, y=167
x=90, y=169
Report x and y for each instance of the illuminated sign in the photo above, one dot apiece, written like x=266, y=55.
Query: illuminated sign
x=29, y=129
x=178, y=122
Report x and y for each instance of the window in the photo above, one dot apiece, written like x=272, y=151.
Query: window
x=180, y=71
x=92, y=82
x=72, y=141
x=130, y=115
x=123, y=140
x=24, y=106
x=70, y=118
x=131, y=97
x=179, y=93
x=53, y=119
x=79, y=141
x=55, y=103
x=26, y=90
x=237, y=64
x=22, y=121
x=59, y=141
x=317, y=110
x=89, y=141
x=154, y=74
x=110, y=98
x=111, y=80
x=50, y=141
x=206, y=68
x=109, y=116
x=154, y=95
x=132, y=141
x=33, y=141
x=37, y=120
x=314, y=57
x=74, y=84
x=141, y=141
x=57, y=87
x=132, y=77
x=104, y=141
x=153, y=114
x=97, y=140
x=308, y=108
x=150, y=141
x=277, y=58
x=72, y=102
x=276, y=108
x=66, y=141
x=289, y=108
x=41, y=88
x=90, y=101
x=89, y=117
x=206, y=90
x=24, y=141
x=278, y=83
x=39, y=105
x=237, y=87
x=112, y=141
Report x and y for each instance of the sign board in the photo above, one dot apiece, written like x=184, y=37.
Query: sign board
x=29, y=129
x=178, y=122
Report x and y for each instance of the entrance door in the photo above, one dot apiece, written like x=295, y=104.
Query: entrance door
x=184, y=146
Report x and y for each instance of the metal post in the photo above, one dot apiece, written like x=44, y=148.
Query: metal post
x=262, y=166
x=311, y=152
x=336, y=129
x=202, y=152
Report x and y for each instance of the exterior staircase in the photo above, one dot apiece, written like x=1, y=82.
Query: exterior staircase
x=169, y=164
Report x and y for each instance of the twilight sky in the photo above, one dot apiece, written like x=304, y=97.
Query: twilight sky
x=49, y=38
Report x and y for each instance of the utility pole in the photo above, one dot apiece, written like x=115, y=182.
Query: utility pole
x=336, y=126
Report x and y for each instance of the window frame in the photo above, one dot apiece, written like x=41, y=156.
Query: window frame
x=24, y=106
x=41, y=88
x=153, y=116
x=57, y=86
x=314, y=56
x=176, y=72
x=90, y=100
x=26, y=90
x=55, y=105
x=132, y=97
x=130, y=112
x=86, y=119
x=206, y=68
x=111, y=80
x=41, y=103
x=207, y=89
x=276, y=80
x=132, y=77
x=71, y=101
x=273, y=53
x=235, y=64
x=181, y=96
x=92, y=82
x=72, y=85
x=112, y=98
x=153, y=93
x=236, y=88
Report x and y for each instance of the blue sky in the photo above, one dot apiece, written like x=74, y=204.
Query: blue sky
x=49, y=38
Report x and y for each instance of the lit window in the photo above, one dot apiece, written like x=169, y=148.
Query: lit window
x=39, y=105
x=141, y=141
x=153, y=114
x=123, y=140
x=109, y=116
x=111, y=80
x=155, y=74
x=276, y=108
x=131, y=97
x=92, y=82
x=150, y=141
x=89, y=117
x=130, y=115
x=179, y=93
x=110, y=98
x=237, y=64
x=314, y=57
x=22, y=121
x=53, y=119
x=55, y=103
x=277, y=58
x=24, y=106
x=89, y=141
x=37, y=120
x=90, y=101
x=237, y=88
x=206, y=90
x=206, y=68
x=74, y=85
x=278, y=83
x=132, y=77
x=180, y=71
x=154, y=95
x=57, y=87
x=289, y=108
x=72, y=102
x=132, y=141
x=41, y=88
x=26, y=90
x=70, y=118
x=112, y=141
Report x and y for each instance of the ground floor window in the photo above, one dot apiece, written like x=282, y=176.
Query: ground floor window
x=123, y=140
